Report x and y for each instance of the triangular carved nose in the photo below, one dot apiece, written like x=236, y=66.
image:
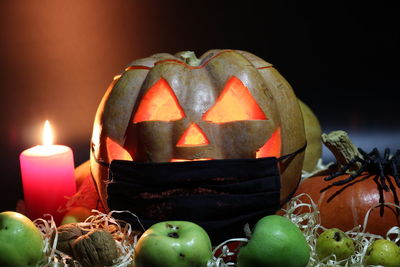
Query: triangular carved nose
x=193, y=136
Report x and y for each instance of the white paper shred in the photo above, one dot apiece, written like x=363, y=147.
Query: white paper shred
x=124, y=236
x=301, y=210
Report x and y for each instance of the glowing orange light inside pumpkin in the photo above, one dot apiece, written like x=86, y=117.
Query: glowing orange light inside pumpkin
x=271, y=148
x=184, y=160
x=234, y=104
x=193, y=136
x=116, y=151
x=159, y=104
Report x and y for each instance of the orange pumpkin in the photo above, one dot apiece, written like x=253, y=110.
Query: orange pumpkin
x=345, y=206
x=227, y=104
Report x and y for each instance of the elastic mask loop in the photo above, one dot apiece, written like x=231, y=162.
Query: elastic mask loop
x=290, y=155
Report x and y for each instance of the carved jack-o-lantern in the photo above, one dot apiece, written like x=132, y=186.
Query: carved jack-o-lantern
x=228, y=104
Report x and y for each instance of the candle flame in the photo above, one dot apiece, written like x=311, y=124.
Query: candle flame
x=47, y=134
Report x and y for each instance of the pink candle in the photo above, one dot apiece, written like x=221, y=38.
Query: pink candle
x=47, y=177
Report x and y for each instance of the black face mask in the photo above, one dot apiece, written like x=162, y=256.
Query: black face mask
x=220, y=195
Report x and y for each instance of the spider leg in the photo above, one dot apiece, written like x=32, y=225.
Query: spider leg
x=395, y=166
x=386, y=161
x=382, y=177
x=375, y=152
x=366, y=155
x=343, y=169
x=386, y=154
x=395, y=173
x=396, y=159
x=363, y=153
x=351, y=177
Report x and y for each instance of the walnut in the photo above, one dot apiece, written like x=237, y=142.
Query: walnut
x=95, y=249
x=66, y=235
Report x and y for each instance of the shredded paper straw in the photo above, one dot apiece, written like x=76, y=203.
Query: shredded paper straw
x=124, y=236
x=301, y=210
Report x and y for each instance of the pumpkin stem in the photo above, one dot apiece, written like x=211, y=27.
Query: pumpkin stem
x=189, y=57
x=339, y=143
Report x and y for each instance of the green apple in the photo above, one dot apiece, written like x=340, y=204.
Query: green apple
x=275, y=241
x=76, y=214
x=21, y=242
x=334, y=241
x=175, y=244
x=383, y=252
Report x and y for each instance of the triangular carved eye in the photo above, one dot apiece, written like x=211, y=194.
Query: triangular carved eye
x=234, y=104
x=159, y=104
x=271, y=148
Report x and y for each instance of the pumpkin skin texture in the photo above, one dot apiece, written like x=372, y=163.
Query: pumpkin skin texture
x=128, y=126
x=345, y=206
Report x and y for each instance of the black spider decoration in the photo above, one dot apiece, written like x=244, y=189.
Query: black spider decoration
x=373, y=163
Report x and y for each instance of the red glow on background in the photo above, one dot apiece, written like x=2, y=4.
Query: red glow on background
x=159, y=104
x=271, y=148
x=58, y=57
x=193, y=136
x=234, y=104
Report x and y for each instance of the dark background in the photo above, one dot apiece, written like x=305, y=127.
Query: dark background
x=58, y=57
